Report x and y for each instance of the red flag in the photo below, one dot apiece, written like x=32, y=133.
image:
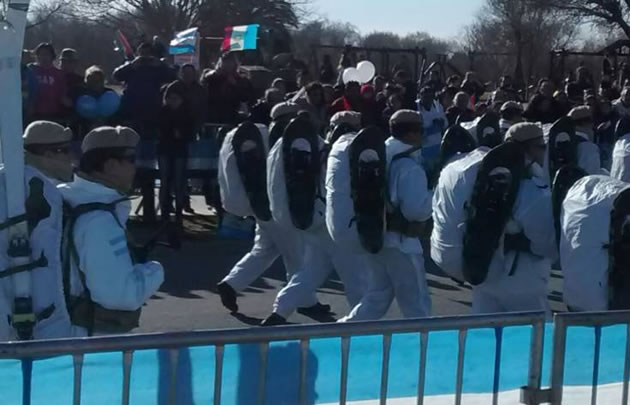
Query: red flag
x=122, y=39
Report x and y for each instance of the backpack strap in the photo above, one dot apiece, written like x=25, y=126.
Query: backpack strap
x=70, y=253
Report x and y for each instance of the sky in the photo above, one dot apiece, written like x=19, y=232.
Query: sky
x=440, y=18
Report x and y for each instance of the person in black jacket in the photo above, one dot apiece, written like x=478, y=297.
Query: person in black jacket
x=176, y=130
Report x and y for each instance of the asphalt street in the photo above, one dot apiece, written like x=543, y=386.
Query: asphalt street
x=188, y=299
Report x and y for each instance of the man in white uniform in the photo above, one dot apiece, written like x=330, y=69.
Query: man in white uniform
x=321, y=255
x=47, y=162
x=511, y=113
x=587, y=152
x=620, y=168
x=106, y=279
x=271, y=240
x=397, y=271
x=519, y=270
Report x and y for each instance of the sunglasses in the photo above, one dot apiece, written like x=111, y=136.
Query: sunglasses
x=129, y=158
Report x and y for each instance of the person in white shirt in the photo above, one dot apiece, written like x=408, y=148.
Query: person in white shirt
x=518, y=273
x=434, y=123
x=48, y=162
x=587, y=152
x=511, y=113
x=107, y=279
x=622, y=104
x=397, y=270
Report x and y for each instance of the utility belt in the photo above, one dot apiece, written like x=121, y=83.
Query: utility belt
x=94, y=317
x=396, y=222
x=516, y=242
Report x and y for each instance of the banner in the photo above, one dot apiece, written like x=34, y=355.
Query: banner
x=184, y=42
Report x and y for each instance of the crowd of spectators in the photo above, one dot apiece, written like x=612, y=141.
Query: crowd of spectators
x=171, y=104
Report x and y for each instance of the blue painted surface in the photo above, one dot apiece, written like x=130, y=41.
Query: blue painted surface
x=102, y=373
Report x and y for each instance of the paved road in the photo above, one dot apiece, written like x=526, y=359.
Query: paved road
x=188, y=299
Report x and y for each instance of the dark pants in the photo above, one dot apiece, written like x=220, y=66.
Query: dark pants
x=172, y=180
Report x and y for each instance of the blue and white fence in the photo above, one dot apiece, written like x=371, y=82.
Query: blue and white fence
x=498, y=359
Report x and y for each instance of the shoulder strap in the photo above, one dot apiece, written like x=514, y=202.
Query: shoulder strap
x=69, y=252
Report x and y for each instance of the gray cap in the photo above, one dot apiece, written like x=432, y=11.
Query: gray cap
x=46, y=133
x=110, y=137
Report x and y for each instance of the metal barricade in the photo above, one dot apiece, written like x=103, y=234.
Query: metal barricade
x=302, y=333
x=596, y=320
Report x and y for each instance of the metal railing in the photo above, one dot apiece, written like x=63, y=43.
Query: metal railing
x=303, y=333
x=596, y=320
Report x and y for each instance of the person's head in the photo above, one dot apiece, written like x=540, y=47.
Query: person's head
x=582, y=74
x=582, y=116
x=512, y=111
x=285, y=110
x=394, y=102
x=545, y=87
x=45, y=54
x=94, y=78
x=530, y=137
x=49, y=144
x=228, y=63
x=506, y=81
x=329, y=94
x=379, y=83
x=109, y=156
x=454, y=81
x=315, y=94
x=174, y=96
x=273, y=96
x=188, y=73
x=367, y=92
x=144, y=50
x=427, y=96
x=590, y=99
x=352, y=90
x=481, y=108
x=561, y=97
x=461, y=100
x=400, y=77
x=280, y=84
x=303, y=78
x=406, y=126
x=69, y=60
x=625, y=95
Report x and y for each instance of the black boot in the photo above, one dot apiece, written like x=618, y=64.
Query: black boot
x=273, y=320
x=315, y=310
x=228, y=296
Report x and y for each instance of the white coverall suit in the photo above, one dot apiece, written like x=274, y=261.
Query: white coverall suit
x=397, y=271
x=46, y=282
x=620, y=169
x=509, y=286
x=104, y=258
x=321, y=254
x=271, y=240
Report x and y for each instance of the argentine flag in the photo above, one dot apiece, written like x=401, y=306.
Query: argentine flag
x=240, y=38
x=184, y=42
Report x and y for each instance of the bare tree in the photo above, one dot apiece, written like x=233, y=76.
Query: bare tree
x=525, y=29
x=612, y=13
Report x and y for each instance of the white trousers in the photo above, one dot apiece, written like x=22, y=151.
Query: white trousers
x=270, y=242
x=394, y=274
x=491, y=301
x=321, y=257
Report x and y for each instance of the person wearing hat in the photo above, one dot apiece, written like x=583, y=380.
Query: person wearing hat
x=106, y=283
x=321, y=254
x=511, y=113
x=587, y=152
x=520, y=268
x=47, y=163
x=51, y=98
x=397, y=271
